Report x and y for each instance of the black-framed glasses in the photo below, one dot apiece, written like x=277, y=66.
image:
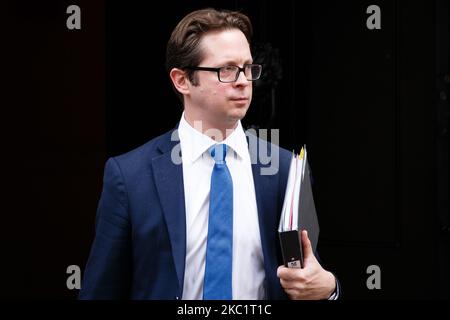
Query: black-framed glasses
x=231, y=73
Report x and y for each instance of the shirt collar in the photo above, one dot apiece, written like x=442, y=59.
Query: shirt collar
x=196, y=143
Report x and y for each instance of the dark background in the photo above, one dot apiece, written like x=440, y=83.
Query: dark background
x=371, y=105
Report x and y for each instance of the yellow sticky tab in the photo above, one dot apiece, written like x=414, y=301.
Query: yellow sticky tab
x=302, y=153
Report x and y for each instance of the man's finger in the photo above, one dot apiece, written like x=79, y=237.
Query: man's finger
x=288, y=274
x=287, y=285
x=283, y=273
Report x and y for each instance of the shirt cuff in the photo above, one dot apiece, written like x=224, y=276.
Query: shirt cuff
x=335, y=294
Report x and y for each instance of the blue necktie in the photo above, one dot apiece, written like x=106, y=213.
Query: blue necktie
x=219, y=247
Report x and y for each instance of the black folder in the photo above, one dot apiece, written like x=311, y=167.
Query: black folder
x=290, y=240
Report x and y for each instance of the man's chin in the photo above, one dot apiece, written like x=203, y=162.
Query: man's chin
x=237, y=113
x=233, y=119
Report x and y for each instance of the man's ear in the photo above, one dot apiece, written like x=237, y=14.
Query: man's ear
x=180, y=80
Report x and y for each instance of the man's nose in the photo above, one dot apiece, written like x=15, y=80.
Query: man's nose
x=242, y=79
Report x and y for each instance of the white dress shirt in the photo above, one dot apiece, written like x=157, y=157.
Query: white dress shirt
x=248, y=264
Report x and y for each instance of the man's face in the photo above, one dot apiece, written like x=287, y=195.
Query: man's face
x=222, y=104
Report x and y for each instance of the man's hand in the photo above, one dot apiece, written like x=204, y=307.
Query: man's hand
x=309, y=283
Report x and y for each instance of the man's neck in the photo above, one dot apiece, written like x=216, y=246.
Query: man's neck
x=217, y=132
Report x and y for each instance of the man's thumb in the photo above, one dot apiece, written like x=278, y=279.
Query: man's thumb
x=307, y=247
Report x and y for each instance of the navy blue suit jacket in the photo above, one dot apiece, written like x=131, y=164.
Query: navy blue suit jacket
x=140, y=244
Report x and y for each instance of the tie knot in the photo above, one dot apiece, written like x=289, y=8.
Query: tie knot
x=218, y=152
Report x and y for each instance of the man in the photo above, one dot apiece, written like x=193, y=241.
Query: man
x=201, y=223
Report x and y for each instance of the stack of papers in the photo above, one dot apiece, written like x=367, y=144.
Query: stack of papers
x=298, y=213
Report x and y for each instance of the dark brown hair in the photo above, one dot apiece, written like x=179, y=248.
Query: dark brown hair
x=183, y=47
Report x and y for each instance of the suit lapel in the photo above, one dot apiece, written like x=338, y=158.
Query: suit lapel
x=266, y=200
x=169, y=183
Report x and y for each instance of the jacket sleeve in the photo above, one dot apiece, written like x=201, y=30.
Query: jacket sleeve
x=108, y=271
